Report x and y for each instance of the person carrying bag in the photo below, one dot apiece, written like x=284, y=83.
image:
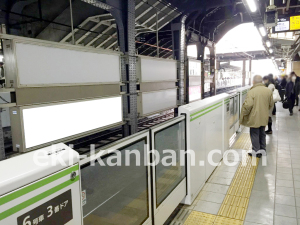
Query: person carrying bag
x=276, y=96
x=271, y=87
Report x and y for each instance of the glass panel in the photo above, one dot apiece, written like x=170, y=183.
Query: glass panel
x=167, y=177
x=231, y=119
x=116, y=195
x=236, y=109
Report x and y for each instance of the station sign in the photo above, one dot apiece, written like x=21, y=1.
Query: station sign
x=283, y=25
x=286, y=24
x=295, y=23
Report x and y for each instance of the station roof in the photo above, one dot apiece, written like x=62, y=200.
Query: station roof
x=95, y=27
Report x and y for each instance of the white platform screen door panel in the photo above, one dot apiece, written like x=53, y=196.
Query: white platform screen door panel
x=49, y=123
x=48, y=66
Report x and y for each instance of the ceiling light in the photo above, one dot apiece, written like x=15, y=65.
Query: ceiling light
x=271, y=50
x=262, y=30
x=268, y=43
x=252, y=5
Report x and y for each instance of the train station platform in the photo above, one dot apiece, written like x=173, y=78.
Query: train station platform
x=254, y=194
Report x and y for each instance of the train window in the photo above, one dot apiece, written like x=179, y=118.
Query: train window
x=167, y=177
x=116, y=194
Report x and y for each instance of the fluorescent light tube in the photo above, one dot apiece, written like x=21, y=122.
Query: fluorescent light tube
x=252, y=5
x=268, y=43
x=262, y=30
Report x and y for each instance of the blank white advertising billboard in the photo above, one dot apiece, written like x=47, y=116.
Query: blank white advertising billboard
x=159, y=100
x=153, y=69
x=49, y=123
x=45, y=66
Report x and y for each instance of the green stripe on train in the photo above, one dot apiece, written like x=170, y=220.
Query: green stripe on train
x=36, y=185
x=35, y=199
x=205, y=109
x=204, y=113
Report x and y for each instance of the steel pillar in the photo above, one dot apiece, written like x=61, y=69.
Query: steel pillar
x=213, y=89
x=72, y=24
x=2, y=148
x=124, y=13
x=179, y=53
x=200, y=56
x=131, y=67
x=157, y=39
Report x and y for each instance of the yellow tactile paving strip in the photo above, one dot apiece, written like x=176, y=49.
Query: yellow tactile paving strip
x=200, y=218
x=234, y=207
x=196, y=218
x=236, y=200
x=243, y=142
x=227, y=221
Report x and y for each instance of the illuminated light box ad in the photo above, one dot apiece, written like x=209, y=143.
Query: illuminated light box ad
x=49, y=123
x=295, y=23
x=194, y=93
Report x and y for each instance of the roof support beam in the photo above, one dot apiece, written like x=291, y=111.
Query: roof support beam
x=296, y=50
x=85, y=22
x=163, y=17
x=152, y=17
x=288, y=5
x=114, y=35
x=98, y=4
x=100, y=35
x=92, y=29
x=146, y=11
x=75, y=30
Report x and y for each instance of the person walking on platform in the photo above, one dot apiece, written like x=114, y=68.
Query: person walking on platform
x=276, y=82
x=291, y=92
x=297, y=87
x=268, y=84
x=283, y=84
x=255, y=114
x=272, y=86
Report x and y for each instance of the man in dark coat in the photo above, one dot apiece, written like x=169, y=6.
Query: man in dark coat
x=291, y=92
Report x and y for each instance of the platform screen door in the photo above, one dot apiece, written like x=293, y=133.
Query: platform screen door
x=117, y=195
x=170, y=144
